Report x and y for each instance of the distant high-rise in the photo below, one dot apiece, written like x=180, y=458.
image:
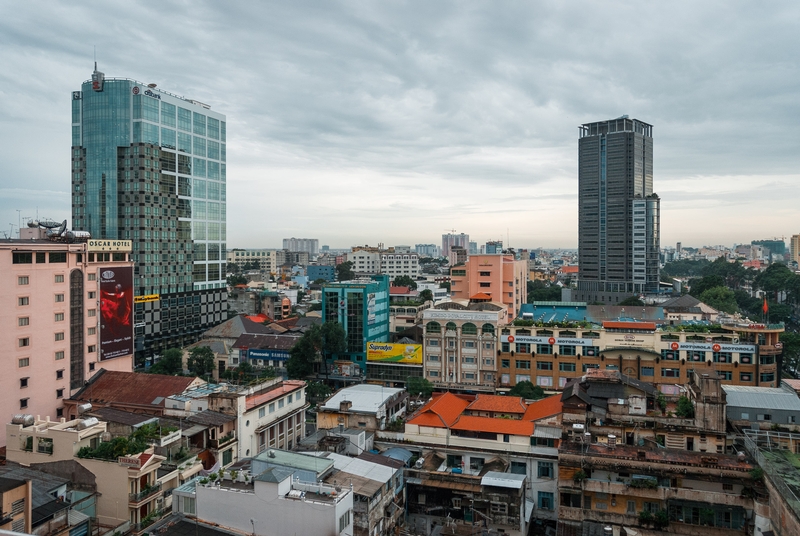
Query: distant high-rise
x=150, y=167
x=309, y=245
x=619, y=220
x=449, y=240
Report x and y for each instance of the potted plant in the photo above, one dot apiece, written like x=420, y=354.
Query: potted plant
x=579, y=476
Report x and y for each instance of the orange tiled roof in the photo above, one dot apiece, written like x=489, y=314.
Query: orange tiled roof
x=545, y=407
x=568, y=269
x=259, y=318
x=480, y=296
x=287, y=386
x=498, y=404
x=441, y=412
x=493, y=425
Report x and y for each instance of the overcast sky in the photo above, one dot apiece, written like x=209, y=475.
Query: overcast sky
x=367, y=122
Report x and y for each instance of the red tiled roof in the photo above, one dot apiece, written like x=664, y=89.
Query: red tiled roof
x=498, y=404
x=543, y=408
x=630, y=325
x=399, y=289
x=132, y=388
x=493, y=425
x=286, y=387
x=144, y=457
x=441, y=412
x=568, y=269
x=259, y=318
x=480, y=296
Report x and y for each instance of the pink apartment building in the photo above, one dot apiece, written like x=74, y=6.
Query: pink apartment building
x=66, y=310
x=491, y=278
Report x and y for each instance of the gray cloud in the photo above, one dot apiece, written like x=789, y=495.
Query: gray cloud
x=390, y=122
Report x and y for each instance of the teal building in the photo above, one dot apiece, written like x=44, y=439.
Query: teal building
x=362, y=308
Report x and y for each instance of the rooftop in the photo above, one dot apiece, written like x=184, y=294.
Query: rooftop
x=211, y=418
x=546, y=407
x=286, y=386
x=503, y=480
x=365, y=398
x=498, y=404
x=262, y=341
x=295, y=460
x=746, y=396
x=442, y=410
x=363, y=468
x=108, y=386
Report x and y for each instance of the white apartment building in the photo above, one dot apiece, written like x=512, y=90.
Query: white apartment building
x=390, y=262
x=309, y=245
x=267, y=259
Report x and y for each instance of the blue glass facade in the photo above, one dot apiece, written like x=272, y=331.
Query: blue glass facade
x=149, y=166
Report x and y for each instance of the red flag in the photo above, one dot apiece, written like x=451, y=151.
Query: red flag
x=765, y=307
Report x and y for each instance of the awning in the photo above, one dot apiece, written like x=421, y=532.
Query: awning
x=192, y=430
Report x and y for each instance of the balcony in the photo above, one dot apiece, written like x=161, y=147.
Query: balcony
x=136, y=498
x=222, y=441
x=569, y=513
x=659, y=493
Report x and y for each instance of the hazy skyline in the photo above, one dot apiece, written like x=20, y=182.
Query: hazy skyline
x=393, y=122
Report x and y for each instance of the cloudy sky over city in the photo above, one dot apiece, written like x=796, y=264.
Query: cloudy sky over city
x=392, y=122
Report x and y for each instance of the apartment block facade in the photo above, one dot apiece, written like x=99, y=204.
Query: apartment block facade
x=491, y=278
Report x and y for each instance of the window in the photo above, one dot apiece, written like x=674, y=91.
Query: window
x=506, y=438
x=59, y=278
x=499, y=508
x=91, y=312
x=567, y=350
x=59, y=355
x=670, y=355
x=23, y=403
x=544, y=365
x=22, y=258
x=433, y=342
x=23, y=342
x=544, y=381
x=505, y=363
x=725, y=375
x=23, y=280
x=591, y=351
x=476, y=464
x=545, y=500
x=433, y=357
x=23, y=383
x=92, y=348
x=92, y=331
x=59, y=393
x=648, y=371
x=59, y=336
x=745, y=377
x=58, y=256
x=544, y=349
x=23, y=300
x=60, y=374
x=59, y=317
x=545, y=470
x=433, y=373
x=344, y=520
x=91, y=366
x=631, y=510
x=289, y=399
x=727, y=487
x=262, y=412
x=587, y=366
x=670, y=373
x=767, y=376
x=566, y=367
x=484, y=285
x=746, y=358
x=745, y=416
x=23, y=321
x=92, y=295
x=469, y=344
x=59, y=298
x=280, y=403
x=523, y=364
x=91, y=277
x=722, y=357
x=272, y=407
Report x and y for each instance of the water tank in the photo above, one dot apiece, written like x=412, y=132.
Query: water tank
x=271, y=453
x=740, y=456
x=456, y=470
x=83, y=408
x=24, y=419
x=419, y=463
x=87, y=423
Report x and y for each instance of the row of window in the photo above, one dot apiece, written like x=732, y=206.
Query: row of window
x=464, y=344
x=27, y=258
x=262, y=411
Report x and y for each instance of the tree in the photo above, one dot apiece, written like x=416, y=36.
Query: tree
x=685, y=408
x=318, y=390
x=791, y=351
x=426, y=295
x=419, y=386
x=232, y=268
x=320, y=281
x=344, y=271
x=404, y=281
x=445, y=285
x=632, y=301
x=684, y=268
x=170, y=363
x=318, y=342
x=201, y=360
x=527, y=390
x=235, y=279
x=543, y=291
x=698, y=286
x=720, y=298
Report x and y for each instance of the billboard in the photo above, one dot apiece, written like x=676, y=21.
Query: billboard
x=116, y=312
x=385, y=352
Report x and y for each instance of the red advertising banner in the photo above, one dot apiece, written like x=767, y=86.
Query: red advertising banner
x=116, y=312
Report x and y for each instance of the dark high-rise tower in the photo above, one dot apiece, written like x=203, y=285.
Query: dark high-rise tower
x=618, y=213
x=150, y=167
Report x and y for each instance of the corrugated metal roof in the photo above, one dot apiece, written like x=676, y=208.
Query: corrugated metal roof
x=213, y=418
x=548, y=432
x=110, y=386
x=745, y=396
x=363, y=468
x=296, y=460
x=503, y=480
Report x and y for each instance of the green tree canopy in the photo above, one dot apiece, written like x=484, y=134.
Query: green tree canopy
x=720, y=298
x=235, y=279
x=633, y=301
x=201, y=361
x=344, y=271
x=685, y=268
x=426, y=295
x=316, y=343
x=527, y=390
x=404, y=281
x=170, y=363
x=700, y=285
x=418, y=386
x=445, y=285
x=543, y=291
x=791, y=350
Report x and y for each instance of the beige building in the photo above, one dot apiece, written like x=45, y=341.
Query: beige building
x=794, y=249
x=267, y=259
x=15, y=500
x=128, y=486
x=460, y=344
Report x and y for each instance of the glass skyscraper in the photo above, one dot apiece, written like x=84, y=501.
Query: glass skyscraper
x=150, y=167
x=618, y=213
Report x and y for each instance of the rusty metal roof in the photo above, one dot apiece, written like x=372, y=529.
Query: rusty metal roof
x=132, y=388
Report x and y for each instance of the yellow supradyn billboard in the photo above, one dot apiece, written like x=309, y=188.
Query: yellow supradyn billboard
x=386, y=352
